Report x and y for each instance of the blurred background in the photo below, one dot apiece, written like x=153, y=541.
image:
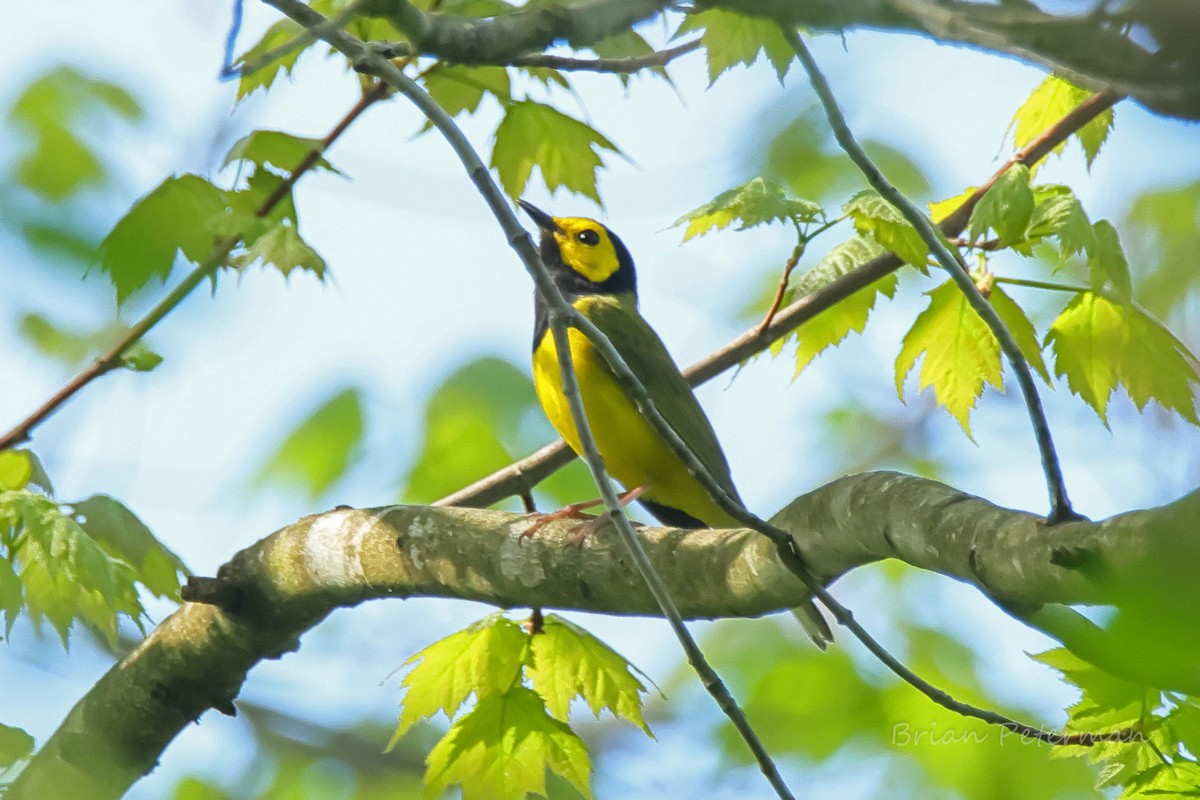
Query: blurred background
x=418, y=343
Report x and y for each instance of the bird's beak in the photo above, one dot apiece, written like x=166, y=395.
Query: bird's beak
x=541, y=218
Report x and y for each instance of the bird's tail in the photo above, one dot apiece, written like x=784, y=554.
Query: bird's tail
x=814, y=624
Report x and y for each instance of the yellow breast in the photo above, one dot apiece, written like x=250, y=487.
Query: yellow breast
x=633, y=453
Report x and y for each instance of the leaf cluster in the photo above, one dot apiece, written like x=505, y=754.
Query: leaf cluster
x=523, y=685
x=81, y=561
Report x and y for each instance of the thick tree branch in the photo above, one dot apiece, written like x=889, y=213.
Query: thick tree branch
x=468, y=40
x=1145, y=49
x=285, y=584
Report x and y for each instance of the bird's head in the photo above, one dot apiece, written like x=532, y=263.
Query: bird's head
x=582, y=255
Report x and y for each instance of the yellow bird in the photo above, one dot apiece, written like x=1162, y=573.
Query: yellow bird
x=593, y=269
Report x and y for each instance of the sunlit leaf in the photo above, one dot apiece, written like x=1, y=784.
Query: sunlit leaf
x=282, y=248
x=65, y=574
x=1108, y=264
x=731, y=38
x=1022, y=330
x=280, y=33
x=756, y=202
x=276, y=150
x=16, y=468
x=961, y=353
x=1005, y=208
x=1099, y=345
x=457, y=88
x=118, y=530
x=502, y=749
x=173, y=218
x=320, y=449
x=877, y=218
x=831, y=327
x=1057, y=212
x=484, y=659
x=565, y=150
x=569, y=662
x=624, y=45
x=1053, y=99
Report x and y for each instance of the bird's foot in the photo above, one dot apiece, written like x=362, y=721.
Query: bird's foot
x=590, y=523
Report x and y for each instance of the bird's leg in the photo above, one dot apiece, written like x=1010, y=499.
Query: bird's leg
x=575, y=511
x=593, y=526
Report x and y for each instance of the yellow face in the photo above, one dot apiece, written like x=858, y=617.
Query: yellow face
x=586, y=248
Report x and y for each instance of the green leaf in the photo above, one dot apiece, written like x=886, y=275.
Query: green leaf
x=66, y=575
x=122, y=535
x=877, y=218
x=1099, y=344
x=457, y=88
x=1087, y=339
x=140, y=358
x=1053, y=99
x=624, y=45
x=756, y=202
x=941, y=209
x=15, y=745
x=282, y=248
x=569, y=662
x=471, y=425
x=279, y=34
x=502, y=748
x=565, y=150
x=831, y=327
x=12, y=595
x=16, y=468
x=846, y=257
x=961, y=353
x=1057, y=212
x=1006, y=207
x=276, y=150
x=1022, y=330
x=320, y=449
x=485, y=659
x=730, y=39
x=58, y=111
x=1108, y=264
x=1167, y=245
x=176, y=217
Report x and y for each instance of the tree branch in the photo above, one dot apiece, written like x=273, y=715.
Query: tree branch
x=659, y=58
x=1060, y=505
x=287, y=583
x=111, y=359
x=523, y=475
x=1099, y=51
x=468, y=40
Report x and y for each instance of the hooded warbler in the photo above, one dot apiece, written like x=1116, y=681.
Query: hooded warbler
x=594, y=271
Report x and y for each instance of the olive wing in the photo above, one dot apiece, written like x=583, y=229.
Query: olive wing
x=650, y=361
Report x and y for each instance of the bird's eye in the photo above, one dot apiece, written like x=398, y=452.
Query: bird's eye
x=588, y=237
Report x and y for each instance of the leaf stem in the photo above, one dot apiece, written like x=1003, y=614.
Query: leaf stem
x=1060, y=504
x=111, y=359
x=659, y=58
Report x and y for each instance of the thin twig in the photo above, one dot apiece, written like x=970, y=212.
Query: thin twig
x=659, y=58
x=535, y=467
x=562, y=315
x=1060, y=505
x=781, y=290
x=111, y=359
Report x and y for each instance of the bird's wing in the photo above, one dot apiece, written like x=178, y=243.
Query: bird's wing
x=647, y=356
